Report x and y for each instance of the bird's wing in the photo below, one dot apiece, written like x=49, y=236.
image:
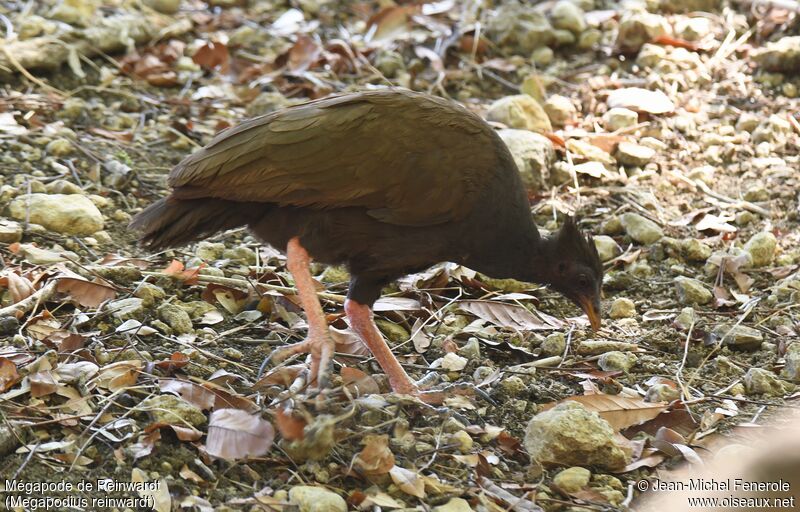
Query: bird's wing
x=409, y=159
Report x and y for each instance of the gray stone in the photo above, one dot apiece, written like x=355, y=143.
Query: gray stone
x=570, y=434
x=775, y=130
x=309, y=498
x=519, y=27
x=572, y=479
x=126, y=309
x=533, y=154
x=758, y=381
x=791, y=370
x=781, y=55
x=554, y=344
x=150, y=294
x=638, y=28
x=761, y=248
x=616, y=361
x=641, y=229
x=695, y=250
x=240, y=254
x=60, y=147
x=471, y=349
x=513, y=386
x=10, y=231
x=209, y=251
x=739, y=337
x=71, y=214
x=685, y=319
x=620, y=117
x=560, y=109
x=172, y=410
x=542, y=56
x=662, y=393
x=520, y=111
x=176, y=317
x=651, y=55
x=692, y=291
x=693, y=29
x=62, y=187
x=630, y=153
x=567, y=15
x=607, y=247
x=622, y=307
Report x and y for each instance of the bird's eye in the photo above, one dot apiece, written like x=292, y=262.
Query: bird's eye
x=583, y=281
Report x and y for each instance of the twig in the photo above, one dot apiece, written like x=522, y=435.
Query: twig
x=747, y=205
x=25, y=305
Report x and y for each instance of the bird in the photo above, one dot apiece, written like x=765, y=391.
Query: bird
x=387, y=182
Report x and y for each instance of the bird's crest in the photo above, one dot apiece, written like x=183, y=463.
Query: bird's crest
x=571, y=243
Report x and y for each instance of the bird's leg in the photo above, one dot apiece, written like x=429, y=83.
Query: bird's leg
x=361, y=320
x=318, y=343
x=360, y=316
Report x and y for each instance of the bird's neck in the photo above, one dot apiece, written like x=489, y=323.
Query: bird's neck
x=524, y=256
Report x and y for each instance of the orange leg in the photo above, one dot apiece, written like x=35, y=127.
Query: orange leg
x=318, y=343
x=361, y=321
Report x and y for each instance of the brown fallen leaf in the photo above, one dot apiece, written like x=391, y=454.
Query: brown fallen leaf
x=511, y=316
x=376, y=458
x=408, y=481
x=359, y=382
x=87, y=293
x=8, y=374
x=192, y=393
x=189, y=276
x=236, y=434
x=119, y=375
x=390, y=22
x=291, y=427
x=213, y=55
x=18, y=286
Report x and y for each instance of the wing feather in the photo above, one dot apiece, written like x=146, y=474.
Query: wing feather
x=408, y=158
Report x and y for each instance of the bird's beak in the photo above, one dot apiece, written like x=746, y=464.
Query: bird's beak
x=591, y=306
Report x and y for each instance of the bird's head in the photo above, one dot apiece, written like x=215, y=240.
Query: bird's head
x=577, y=271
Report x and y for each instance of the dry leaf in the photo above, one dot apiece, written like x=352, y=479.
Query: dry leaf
x=119, y=375
x=19, y=287
x=390, y=22
x=358, y=381
x=86, y=293
x=376, y=458
x=192, y=393
x=213, y=55
x=511, y=316
x=8, y=374
x=619, y=411
x=235, y=434
x=408, y=481
x=291, y=427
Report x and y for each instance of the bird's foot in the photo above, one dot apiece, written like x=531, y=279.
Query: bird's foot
x=319, y=346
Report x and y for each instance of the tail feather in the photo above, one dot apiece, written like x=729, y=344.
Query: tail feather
x=172, y=222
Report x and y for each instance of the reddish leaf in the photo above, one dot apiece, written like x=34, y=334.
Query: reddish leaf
x=8, y=374
x=290, y=427
x=213, y=55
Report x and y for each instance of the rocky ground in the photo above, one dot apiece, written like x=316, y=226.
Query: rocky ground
x=671, y=128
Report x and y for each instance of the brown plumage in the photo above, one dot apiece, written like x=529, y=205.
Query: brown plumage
x=387, y=182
